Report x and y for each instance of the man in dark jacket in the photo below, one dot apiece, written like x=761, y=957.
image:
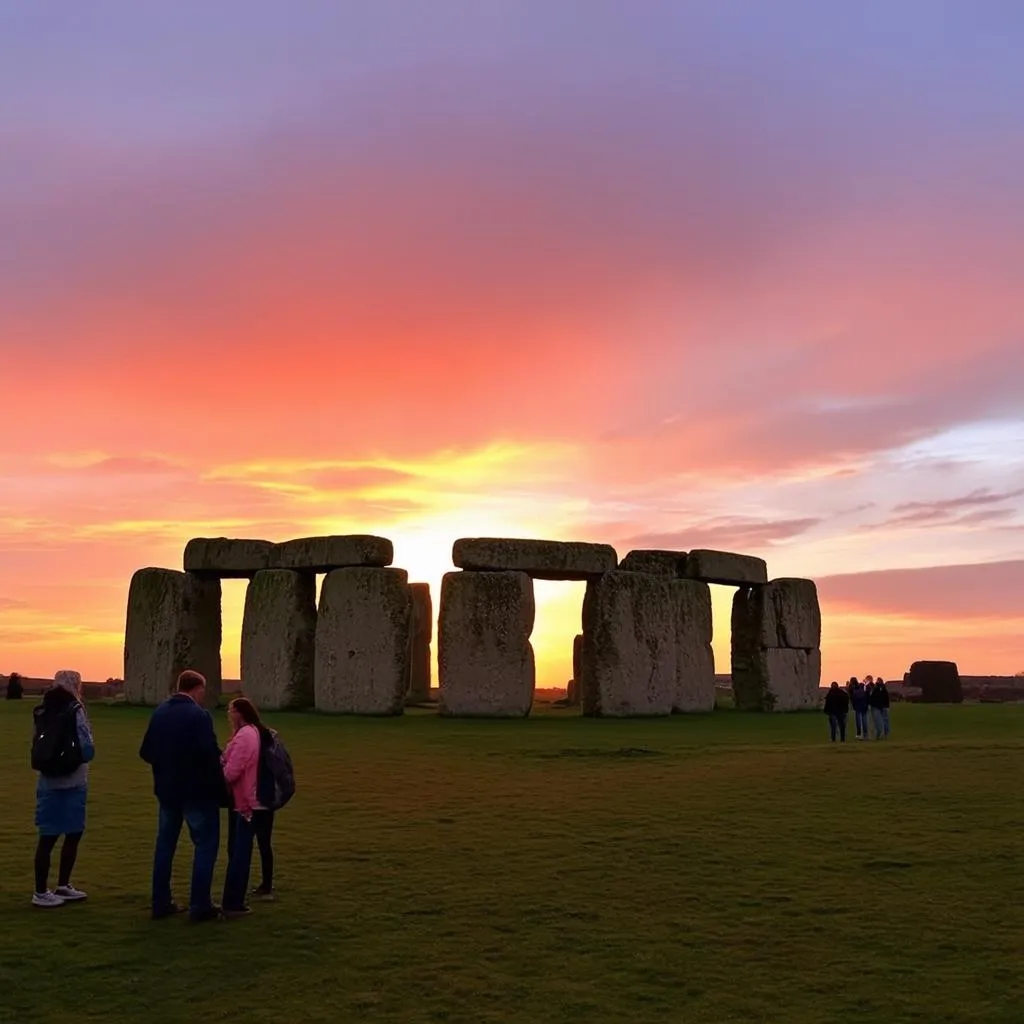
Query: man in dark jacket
x=837, y=706
x=181, y=746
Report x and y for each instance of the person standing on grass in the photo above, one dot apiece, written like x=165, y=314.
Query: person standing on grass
x=837, y=706
x=880, y=709
x=869, y=689
x=181, y=747
x=859, y=700
x=62, y=748
x=249, y=818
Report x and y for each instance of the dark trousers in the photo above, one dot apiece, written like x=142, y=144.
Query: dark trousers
x=203, y=822
x=263, y=828
x=837, y=724
x=236, y=880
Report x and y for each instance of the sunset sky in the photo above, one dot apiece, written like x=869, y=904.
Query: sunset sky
x=681, y=274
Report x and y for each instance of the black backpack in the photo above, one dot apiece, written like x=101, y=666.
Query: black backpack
x=276, y=780
x=56, y=749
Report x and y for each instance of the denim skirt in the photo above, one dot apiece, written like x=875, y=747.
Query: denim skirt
x=60, y=812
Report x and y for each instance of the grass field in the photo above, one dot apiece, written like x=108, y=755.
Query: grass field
x=723, y=868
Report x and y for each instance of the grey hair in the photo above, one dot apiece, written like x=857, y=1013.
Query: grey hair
x=68, y=679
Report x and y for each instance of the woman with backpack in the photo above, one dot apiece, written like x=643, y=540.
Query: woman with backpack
x=62, y=748
x=249, y=819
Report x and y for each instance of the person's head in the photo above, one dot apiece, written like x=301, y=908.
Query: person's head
x=242, y=711
x=68, y=679
x=834, y=686
x=869, y=680
x=853, y=681
x=192, y=684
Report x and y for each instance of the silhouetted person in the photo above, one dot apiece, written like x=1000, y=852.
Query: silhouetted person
x=15, y=689
x=879, y=701
x=837, y=706
x=181, y=746
x=869, y=689
x=859, y=700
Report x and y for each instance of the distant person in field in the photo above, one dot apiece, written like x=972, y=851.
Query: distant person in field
x=879, y=701
x=15, y=690
x=869, y=689
x=181, y=747
x=837, y=706
x=241, y=760
x=859, y=700
x=62, y=747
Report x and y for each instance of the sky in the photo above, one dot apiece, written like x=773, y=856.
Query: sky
x=657, y=274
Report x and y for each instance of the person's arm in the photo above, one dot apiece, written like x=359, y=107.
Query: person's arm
x=146, y=750
x=85, y=739
x=241, y=753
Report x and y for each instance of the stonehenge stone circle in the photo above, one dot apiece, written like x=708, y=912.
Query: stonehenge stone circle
x=656, y=563
x=629, y=659
x=645, y=647
x=485, y=661
x=172, y=623
x=726, y=568
x=540, y=559
x=323, y=554
x=421, y=634
x=278, y=637
x=226, y=559
x=361, y=664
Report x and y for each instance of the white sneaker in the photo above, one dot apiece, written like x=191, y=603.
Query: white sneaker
x=47, y=899
x=69, y=894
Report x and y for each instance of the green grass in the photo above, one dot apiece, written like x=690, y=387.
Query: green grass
x=723, y=868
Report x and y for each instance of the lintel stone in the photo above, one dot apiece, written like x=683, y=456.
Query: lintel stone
x=726, y=568
x=325, y=554
x=540, y=559
x=653, y=562
x=225, y=558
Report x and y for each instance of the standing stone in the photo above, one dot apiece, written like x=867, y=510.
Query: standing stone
x=225, y=558
x=657, y=563
x=278, y=637
x=484, y=658
x=629, y=661
x=173, y=623
x=754, y=621
x=361, y=664
x=797, y=613
x=939, y=681
x=421, y=634
x=725, y=567
x=695, y=669
x=541, y=559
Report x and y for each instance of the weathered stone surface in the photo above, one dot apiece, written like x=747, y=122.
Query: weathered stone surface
x=541, y=559
x=225, y=558
x=361, y=664
x=754, y=621
x=629, y=658
x=725, y=567
x=485, y=661
x=657, y=563
x=797, y=612
x=577, y=656
x=572, y=694
x=421, y=634
x=278, y=638
x=776, y=679
x=939, y=681
x=785, y=613
x=173, y=623
x=324, y=554
x=695, y=666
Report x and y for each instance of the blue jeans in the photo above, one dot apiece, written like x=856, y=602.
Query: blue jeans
x=204, y=830
x=861, y=721
x=236, y=881
x=837, y=723
x=880, y=720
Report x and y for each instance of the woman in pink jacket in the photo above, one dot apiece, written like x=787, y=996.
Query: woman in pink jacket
x=241, y=761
